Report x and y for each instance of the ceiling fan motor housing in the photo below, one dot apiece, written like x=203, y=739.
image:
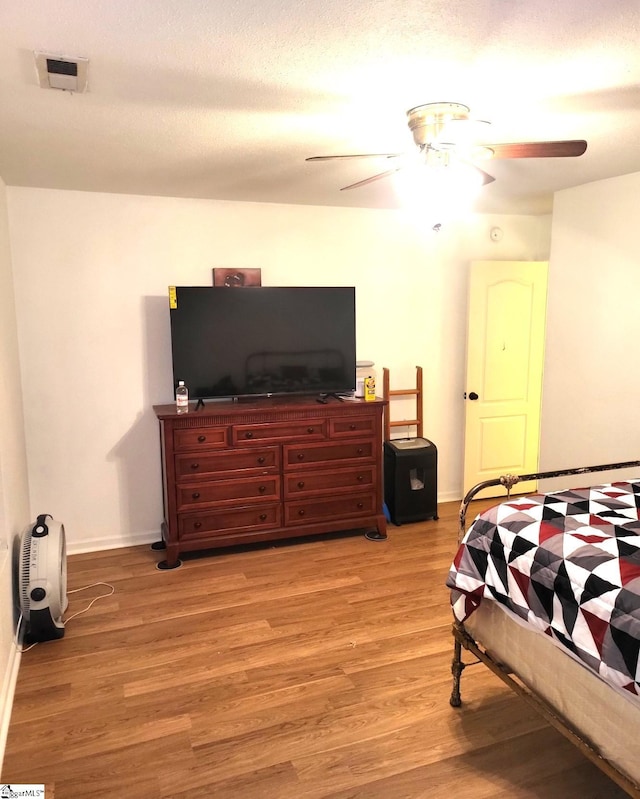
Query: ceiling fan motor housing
x=426, y=122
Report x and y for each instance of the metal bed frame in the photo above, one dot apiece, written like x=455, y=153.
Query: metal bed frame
x=463, y=640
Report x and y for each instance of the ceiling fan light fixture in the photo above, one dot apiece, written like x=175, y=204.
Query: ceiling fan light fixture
x=441, y=184
x=435, y=158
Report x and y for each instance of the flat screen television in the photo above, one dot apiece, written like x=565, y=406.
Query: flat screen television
x=263, y=341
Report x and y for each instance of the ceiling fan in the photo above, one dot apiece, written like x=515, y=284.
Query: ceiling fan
x=445, y=133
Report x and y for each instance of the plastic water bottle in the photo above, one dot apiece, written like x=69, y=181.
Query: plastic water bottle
x=182, y=398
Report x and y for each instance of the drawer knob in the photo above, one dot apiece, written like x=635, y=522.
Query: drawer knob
x=310, y=430
x=202, y=439
x=301, y=484
x=262, y=489
x=360, y=450
x=197, y=525
x=195, y=465
x=301, y=512
x=263, y=517
x=248, y=434
x=360, y=505
x=261, y=459
x=195, y=495
x=352, y=426
x=300, y=456
x=360, y=478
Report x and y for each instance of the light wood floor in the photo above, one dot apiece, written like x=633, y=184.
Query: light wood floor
x=314, y=670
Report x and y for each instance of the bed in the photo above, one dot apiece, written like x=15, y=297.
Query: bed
x=545, y=591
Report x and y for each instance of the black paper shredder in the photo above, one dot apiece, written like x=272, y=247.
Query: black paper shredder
x=411, y=479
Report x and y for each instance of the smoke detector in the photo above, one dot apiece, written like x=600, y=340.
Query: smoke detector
x=61, y=72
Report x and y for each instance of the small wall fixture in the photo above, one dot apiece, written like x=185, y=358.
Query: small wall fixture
x=61, y=72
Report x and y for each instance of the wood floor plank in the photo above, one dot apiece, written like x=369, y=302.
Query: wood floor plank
x=312, y=669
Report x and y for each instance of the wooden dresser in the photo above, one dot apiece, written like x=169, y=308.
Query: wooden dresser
x=259, y=470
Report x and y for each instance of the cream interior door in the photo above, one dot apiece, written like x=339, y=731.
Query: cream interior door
x=505, y=356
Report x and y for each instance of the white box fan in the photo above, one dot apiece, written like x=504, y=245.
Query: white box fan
x=43, y=579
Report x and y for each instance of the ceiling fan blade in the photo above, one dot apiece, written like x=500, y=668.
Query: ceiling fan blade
x=486, y=177
x=539, y=149
x=360, y=155
x=371, y=179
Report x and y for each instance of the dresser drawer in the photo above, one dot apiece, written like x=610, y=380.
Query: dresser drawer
x=200, y=438
x=333, y=480
x=321, y=509
x=199, y=525
x=301, y=456
x=352, y=426
x=248, y=489
x=303, y=430
x=214, y=464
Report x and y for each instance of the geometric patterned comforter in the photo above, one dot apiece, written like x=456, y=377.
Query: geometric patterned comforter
x=568, y=563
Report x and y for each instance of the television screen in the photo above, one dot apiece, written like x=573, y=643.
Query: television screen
x=261, y=341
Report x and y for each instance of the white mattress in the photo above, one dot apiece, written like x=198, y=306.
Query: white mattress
x=605, y=718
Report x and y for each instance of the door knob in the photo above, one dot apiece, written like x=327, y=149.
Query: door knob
x=473, y=395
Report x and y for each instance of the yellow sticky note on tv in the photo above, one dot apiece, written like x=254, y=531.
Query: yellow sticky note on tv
x=173, y=299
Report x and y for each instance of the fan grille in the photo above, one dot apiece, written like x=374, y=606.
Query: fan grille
x=24, y=573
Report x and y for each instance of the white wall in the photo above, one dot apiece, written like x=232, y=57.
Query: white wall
x=91, y=275
x=14, y=500
x=591, y=382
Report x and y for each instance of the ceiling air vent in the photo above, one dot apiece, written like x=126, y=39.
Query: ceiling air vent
x=61, y=72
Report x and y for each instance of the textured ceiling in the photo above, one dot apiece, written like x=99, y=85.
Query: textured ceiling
x=226, y=99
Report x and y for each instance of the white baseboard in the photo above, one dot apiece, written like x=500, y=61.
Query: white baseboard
x=9, y=682
x=450, y=496
x=111, y=542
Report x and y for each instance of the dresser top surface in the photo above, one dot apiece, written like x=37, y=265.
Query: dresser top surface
x=262, y=404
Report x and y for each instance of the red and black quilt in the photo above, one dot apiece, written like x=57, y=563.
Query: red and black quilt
x=567, y=563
